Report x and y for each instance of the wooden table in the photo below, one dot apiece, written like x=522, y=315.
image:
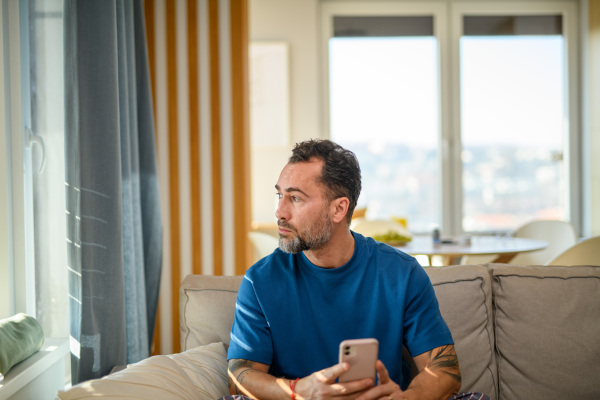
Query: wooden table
x=505, y=248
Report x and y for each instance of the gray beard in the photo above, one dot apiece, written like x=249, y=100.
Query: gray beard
x=315, y=237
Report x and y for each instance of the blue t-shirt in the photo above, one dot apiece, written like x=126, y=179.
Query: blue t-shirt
x=292, y=315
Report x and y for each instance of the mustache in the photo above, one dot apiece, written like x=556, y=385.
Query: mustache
x=285, y=225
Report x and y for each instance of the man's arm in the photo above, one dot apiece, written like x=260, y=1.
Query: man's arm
x=439, y=374
x=252, y=379
x=259, y=383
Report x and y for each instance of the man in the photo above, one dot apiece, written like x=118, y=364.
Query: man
x=325, y=284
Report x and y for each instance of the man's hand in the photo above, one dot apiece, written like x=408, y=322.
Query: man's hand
x=322, y=385
x=252, y=379
x=438, y=378
x=386, y=388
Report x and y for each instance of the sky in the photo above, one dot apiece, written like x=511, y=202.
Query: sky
x=386, y=90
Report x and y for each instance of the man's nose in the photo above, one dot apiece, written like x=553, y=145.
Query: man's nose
x=281, y=212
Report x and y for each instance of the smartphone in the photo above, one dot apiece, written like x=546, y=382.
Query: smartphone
x=362, y=355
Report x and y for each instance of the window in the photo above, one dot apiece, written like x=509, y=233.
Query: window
x=512, y=120
x=462, y=115
x=384, y=107
x=6, y=276
x=32, y=193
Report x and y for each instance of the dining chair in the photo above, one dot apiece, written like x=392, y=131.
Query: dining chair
x=586, y=252
x=560, y=235
x=263, y=244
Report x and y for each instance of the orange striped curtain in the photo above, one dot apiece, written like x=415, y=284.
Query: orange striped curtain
x=198, y=52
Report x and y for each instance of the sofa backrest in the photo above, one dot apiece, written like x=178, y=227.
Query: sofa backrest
x=547, y=327
x=206, y=309
x=464, y=294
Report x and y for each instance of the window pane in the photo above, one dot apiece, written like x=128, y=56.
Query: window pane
x=513, y=121
x=384, y=107
x=46, y=68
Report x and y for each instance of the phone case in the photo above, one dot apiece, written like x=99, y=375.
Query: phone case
x=362, y=355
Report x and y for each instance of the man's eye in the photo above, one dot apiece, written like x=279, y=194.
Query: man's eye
x=295, y=198
x=278, y=195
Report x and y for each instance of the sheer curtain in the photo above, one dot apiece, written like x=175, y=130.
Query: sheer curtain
x=114, y=229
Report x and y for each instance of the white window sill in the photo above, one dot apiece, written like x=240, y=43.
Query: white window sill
x=19, y=381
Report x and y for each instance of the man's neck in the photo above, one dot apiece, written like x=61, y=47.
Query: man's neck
x=337, y=252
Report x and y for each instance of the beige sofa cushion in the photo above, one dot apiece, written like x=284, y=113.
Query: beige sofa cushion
x=206, y=309
x=546, y=363
x=199, y=373
x=464, y=294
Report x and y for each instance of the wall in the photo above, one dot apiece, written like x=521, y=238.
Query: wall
x=298, y=24
x=198, y=63
x=592, y=151
x=295, y=23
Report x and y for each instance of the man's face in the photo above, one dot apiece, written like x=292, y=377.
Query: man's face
x=303, y=210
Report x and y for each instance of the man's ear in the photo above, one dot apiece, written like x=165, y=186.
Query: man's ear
x=339, y=209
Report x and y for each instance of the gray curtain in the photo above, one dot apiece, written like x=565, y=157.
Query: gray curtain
x=114, y=230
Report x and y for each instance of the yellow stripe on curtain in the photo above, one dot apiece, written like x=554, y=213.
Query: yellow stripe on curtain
x=198, y=53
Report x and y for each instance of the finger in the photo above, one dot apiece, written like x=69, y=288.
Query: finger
x=376, y=392
x=388, y=392
x=384, y=376
x=353, y=387
x=332, y=373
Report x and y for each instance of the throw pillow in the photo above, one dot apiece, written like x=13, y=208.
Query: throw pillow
x=198, y=373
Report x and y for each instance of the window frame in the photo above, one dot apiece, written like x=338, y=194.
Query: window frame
x=571, y=149
x=448, y=28
x=17, y=264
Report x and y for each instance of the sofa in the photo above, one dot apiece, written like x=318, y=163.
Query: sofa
x=521, y=332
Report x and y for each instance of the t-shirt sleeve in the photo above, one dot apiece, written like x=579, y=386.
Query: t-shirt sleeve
x=424, y=326
x=250, y=333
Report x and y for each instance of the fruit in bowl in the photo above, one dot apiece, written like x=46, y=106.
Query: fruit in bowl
x=393, y=238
